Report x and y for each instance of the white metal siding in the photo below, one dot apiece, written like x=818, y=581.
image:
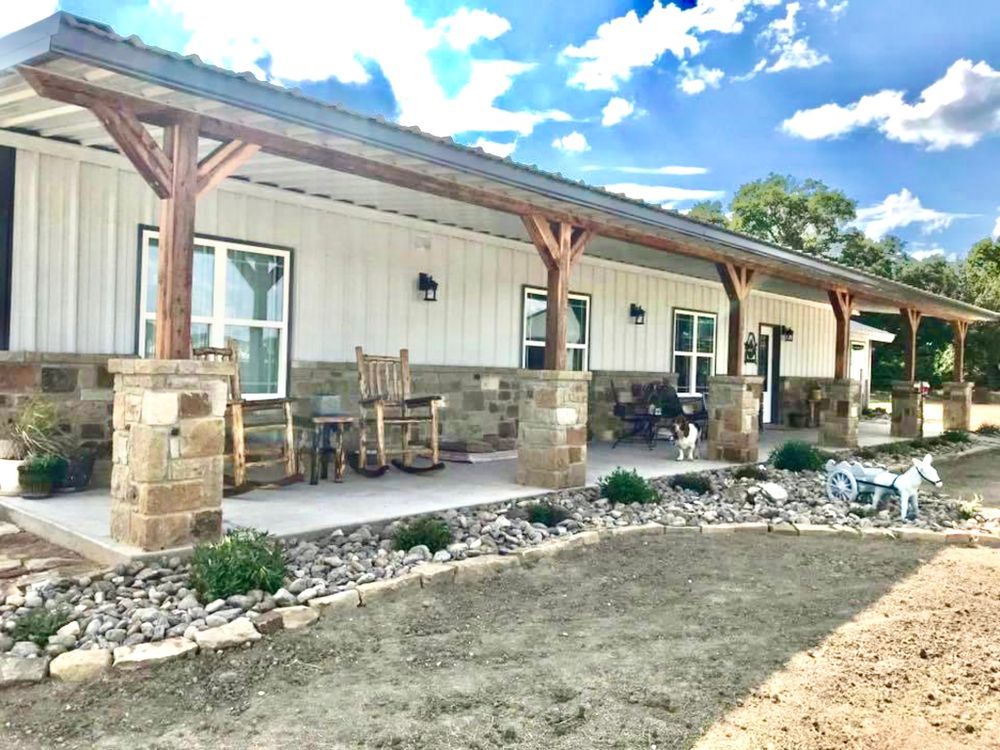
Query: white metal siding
x=78, y=211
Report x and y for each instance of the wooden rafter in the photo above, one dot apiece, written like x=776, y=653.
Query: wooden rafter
x=560, y=245
x=137, y=144
x=842, y=302
x=222, y=162
x=961, y=331
x=737, y=281
x=911, y=324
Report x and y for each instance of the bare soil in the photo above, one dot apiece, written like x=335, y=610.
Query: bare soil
x=636, y=644
x=974, y=475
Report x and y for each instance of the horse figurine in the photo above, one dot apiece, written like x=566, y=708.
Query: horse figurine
x=905, y=485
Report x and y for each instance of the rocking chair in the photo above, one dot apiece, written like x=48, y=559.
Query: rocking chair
x=384, y=384
x=265, y=415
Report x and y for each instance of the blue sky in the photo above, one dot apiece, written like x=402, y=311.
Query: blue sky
x=896, y=102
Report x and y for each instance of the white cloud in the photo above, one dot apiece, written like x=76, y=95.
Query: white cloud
x=340, y=39
x=503, y=150
x=900, y=210
x=696, y=78
x=573, y=143
x=836, y=9
x=17, y=15
x=791, y=50
x=628, y=42
x=616, y=110
x=664, y=195
x=670, y=169
x=996, y=229
x=934, y=252
x=959, y=109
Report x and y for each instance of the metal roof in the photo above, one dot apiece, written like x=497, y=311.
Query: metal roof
x=862, y=330
x=84, y=49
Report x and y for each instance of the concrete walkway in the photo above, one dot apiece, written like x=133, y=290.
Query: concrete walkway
x=81, y=522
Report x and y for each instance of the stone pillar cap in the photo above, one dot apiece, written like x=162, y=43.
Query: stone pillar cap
x=137, y=366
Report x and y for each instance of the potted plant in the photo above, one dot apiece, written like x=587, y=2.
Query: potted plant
x=37, y=428
x=11, y=457
x=38, y=474
x=79, y=469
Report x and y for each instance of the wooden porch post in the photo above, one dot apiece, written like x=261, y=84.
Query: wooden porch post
x=737, y=281
x=842, y=302
x=560, y=245
x=911, y=322
x=961, y=330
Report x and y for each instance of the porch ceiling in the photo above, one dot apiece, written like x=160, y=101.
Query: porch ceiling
x=368, y=160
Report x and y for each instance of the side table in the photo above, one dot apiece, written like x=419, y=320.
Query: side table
x=322, y=427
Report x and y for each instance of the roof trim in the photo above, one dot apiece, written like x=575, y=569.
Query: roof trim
x=63, y=34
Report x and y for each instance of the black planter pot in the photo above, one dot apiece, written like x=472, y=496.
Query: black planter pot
x=79, y=470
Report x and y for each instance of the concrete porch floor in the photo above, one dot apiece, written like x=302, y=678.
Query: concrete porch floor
x=81, y=522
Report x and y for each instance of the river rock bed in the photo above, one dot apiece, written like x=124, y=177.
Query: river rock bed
x=147, y=602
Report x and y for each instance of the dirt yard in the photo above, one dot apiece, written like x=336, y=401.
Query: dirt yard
x=628, y=645
x=974, y=475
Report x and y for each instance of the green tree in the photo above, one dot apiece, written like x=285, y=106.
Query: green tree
x=982, y=274
x=806, y=216
x=709, y=212
x=935, y=275
x=882, y=257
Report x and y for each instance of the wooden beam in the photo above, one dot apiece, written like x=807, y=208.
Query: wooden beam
x=911, y=323
x=223, y=162
x=559, y=246
x=737, y=281
x=961, y=330
x=138, y=146
x=176, y=243
x=842, y=302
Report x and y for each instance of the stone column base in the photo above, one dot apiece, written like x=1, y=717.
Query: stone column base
x=839, y=422
x=958, y=406
x=733, y=426
x=169, y=441
x=552, y=429
x=907, y=409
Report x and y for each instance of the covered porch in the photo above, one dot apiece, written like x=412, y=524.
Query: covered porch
x=82, y=522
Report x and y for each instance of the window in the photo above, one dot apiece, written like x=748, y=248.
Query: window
x=577, y=330
x=237, y=292
x=694, y=350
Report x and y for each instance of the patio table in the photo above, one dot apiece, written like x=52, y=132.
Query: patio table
x=321, y=450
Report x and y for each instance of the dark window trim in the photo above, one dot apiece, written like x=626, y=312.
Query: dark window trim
x=775, y=364
x=8, y=163
x=545, y=291
x=289, y=324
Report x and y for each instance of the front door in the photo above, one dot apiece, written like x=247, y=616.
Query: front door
x=767, y=368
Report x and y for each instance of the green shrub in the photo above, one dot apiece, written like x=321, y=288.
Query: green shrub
x=621, y=486
x=988, y=429
x=243, y=560
x=751, y=471
x=431, y=532
x=797, y=455
x=40, y=623
x=37, y=428
x=546, y=513
x=969, y=509
x=955, y=436
x=866, y=454
x=901, y=448
x=699, y=483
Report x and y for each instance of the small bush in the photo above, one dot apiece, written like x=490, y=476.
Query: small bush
x=546, y=513
x=796, y=455
x=988, y=429
x=39, y=624
x=431, y=532
x=621, y=486
x=955, y=436
x=695, y=482
x=866, y=454
x=243, y=560
x=970, y=509
x=901, y=448
x=751, y=471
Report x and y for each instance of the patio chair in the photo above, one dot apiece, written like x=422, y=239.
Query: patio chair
x=385, y=400
x=246, y=417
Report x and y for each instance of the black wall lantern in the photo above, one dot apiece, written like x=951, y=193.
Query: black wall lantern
x=637, y=314
x=787, y=334
x=750, y=349
x=427, y=285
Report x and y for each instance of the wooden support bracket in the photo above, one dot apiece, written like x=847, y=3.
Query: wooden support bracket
x=911, y=324
x=737, y=281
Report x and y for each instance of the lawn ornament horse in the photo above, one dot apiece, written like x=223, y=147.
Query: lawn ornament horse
x=847, y=480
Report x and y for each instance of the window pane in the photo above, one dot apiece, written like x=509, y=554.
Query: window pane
x=534, y=357
x=260, y=353
x=574, y=359
x=706, y=334
x=255, y=286
x=534, y=317
x=683, y=332
x=704, y=371
x=576, y=327
x=682, y=366
x=202, y=283
x=200, y=336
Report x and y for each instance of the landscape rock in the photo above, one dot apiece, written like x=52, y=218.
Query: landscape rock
x=230, y=635
x=149, y=654
x=19, y=671
x=81, y=665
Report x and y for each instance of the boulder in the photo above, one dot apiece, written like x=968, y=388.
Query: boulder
x=15, y=670
x=347, y=601
x=80, y=665
x=296, y=618
x=148, y=654
x=230, y=635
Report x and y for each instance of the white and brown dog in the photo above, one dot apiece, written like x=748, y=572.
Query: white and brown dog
x=686, y=438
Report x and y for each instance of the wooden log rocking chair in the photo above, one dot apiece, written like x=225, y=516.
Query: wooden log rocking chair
x=245, y=417
x=385, y=400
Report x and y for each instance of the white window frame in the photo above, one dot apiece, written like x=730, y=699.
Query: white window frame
x=694, y=355
x=218, y=320
x=525, y=342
